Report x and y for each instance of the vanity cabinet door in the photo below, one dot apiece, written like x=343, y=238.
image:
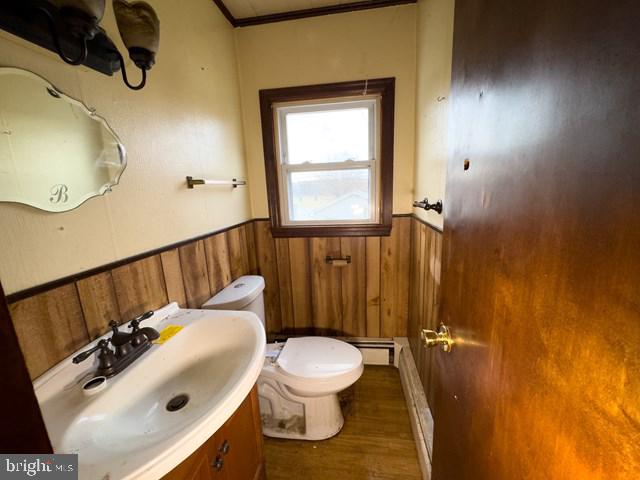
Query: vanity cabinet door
x=195, y=467
x=216, y=459
x=234, y=452
x=241, y=439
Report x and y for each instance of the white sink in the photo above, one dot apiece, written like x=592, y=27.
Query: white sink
x=125, y=431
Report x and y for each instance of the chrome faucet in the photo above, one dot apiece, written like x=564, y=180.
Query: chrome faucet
x=127, y=347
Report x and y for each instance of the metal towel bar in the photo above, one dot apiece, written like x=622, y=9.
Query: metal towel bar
x=234, y=182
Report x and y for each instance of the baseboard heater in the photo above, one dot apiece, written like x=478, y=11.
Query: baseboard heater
x=375, y=351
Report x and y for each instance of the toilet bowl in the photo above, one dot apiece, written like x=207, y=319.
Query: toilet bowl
x=300, y=378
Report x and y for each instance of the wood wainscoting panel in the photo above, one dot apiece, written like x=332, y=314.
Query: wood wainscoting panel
x=268, y=268
x=354, y=287
x=326, y=286
x=173, y=279
x=302, y=303
x=395, y=251
x=414, y=321
x=140, y=287
x=99, y=303
x=316, y=298
x=218, y=262
x=373, y=286
x=238, y=252
x=50, y=327
x=250, y=238
x=195, y=276
x=283, y=258
x=426, y=355
x=426, y=249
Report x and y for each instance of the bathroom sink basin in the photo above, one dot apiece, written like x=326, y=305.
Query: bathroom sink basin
x=155, y=413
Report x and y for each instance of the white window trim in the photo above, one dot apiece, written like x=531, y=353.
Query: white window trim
x=280, y=110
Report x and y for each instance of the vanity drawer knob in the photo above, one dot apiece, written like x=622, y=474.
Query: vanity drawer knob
x=224, y=448
x=217, y=463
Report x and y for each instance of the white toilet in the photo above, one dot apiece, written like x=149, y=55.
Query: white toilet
x=300, y=378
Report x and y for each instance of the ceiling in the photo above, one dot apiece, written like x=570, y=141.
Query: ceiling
x=255, y=8
x=252, y=12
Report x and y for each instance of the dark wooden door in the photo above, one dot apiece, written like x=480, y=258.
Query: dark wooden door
x=541, y=265
x=23, y=429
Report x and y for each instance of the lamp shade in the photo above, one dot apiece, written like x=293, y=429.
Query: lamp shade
x=138, y=25
x=92, y=8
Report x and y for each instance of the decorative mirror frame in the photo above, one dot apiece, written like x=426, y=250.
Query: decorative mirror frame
x=91, y=112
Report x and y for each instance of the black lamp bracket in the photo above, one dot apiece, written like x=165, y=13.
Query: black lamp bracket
x=125, y=78
x=41, y=22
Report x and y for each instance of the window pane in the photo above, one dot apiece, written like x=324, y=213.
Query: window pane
x=330, y=195
x=328, y=136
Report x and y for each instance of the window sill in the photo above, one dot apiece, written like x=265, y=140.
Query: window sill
x=365, y=230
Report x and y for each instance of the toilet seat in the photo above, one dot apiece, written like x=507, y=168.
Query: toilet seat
x=315, y=366
x=318, y=357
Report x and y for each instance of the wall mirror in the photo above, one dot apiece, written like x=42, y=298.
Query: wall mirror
x=55, y=153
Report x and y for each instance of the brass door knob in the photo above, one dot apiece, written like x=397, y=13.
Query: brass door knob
x=441, y=337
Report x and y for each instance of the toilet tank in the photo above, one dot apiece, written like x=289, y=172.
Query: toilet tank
x=244, y=293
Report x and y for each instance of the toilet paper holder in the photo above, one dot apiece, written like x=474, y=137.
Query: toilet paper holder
x=338, y=261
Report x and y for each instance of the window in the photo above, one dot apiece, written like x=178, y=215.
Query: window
x=329, y=158
x=327, y=162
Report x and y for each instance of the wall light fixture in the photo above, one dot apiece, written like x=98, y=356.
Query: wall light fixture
x=75, y=34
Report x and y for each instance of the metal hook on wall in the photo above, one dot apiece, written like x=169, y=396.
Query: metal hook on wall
x=429, y=206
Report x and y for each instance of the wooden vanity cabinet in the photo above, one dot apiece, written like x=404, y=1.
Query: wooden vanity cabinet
x=234, y=452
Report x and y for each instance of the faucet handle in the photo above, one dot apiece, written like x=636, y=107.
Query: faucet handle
x=135, y=323
x=142, y=335
x=102, y=345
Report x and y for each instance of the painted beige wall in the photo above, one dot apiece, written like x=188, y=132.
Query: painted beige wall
x=333, y=48
x=187, y=121
x=434, y=51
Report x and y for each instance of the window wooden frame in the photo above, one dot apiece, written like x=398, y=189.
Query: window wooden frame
x=385, y=88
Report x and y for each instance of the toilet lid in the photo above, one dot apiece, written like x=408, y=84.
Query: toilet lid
x=318, y=357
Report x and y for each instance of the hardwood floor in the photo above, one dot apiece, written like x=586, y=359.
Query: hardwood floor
x=375, y=443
